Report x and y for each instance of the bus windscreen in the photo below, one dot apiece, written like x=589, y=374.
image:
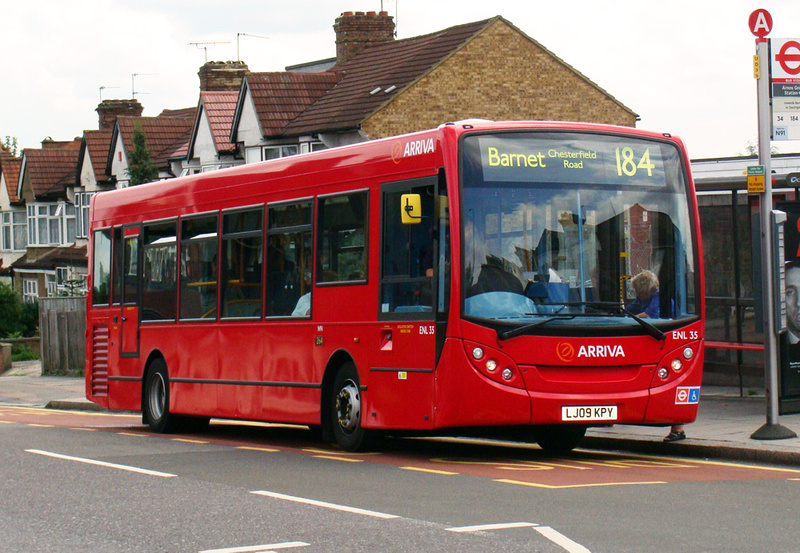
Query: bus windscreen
x=565, y=226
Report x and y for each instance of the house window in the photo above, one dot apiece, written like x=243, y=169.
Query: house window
x=82, y=200
x=275, y=152
x=30, y=290
x=263, y=153
x=50, y=284
x=52, y=224
x=13, y=231
x=69, y=283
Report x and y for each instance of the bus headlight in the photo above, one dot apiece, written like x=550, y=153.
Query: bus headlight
x=477, y=354
x=676, y=365
x=663, y=373
x=507, y=374
x=491, y=365
x=688, y=353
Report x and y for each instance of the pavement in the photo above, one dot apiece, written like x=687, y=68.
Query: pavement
x=723, y=429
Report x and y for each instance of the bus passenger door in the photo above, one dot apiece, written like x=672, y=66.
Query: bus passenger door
x=402, y=379
x=129, y=340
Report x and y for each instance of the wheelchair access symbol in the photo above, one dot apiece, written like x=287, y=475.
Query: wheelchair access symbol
x=687, y=395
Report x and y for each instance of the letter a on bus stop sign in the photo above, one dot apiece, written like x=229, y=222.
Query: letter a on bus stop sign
x=760, y=23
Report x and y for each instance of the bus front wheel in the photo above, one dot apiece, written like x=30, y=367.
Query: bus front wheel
x=346, y=413
x=559, y=438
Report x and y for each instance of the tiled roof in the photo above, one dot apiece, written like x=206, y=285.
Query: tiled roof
x=220, y=108
x=9, y=167
x=51, y=169
x=165, y=135
x=380, y=66
x=74, y=256
x=280, y=97
x=97, y=143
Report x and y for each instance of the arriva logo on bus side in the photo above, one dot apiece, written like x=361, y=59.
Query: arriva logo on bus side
x=412, y=148
x=566, y=351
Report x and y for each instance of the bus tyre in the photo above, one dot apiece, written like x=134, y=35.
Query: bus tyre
x=156, y=398
x=559, y=438
x=346, y=410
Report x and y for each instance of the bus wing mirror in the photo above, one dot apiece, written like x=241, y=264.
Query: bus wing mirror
x=411, y=209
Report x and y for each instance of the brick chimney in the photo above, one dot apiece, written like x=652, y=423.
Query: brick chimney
x=219, y=76
x=356, y=30
x=108, y=110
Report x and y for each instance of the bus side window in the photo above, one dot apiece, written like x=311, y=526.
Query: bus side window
x=289, y=260
x=241, y=263
x=342, y=238
x=159, y=275
x=101, y=271
x=199, y=268
x=116, y=295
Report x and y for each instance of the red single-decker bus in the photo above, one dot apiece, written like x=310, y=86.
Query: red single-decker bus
x=475, y=277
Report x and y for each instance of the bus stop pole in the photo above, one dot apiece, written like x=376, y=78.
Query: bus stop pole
x=772, y=430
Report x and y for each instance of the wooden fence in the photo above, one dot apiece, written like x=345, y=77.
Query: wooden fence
x=62, y=329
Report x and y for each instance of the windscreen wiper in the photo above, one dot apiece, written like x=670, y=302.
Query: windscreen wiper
x=520, y=330
x=611, y=307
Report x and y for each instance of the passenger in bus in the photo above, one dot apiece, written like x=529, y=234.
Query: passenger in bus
x=648, y=304
x=648, y=300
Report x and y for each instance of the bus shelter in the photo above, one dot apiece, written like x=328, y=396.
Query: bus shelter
x=734, y=347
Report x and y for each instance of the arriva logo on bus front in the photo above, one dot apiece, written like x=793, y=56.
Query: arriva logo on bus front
x=566, y=351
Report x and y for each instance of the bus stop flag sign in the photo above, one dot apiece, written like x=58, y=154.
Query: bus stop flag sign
x=785, y=89
x=760, y=23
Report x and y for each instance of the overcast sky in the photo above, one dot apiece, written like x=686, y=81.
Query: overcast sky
x=684, y=66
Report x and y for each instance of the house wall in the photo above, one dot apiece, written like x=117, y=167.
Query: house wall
x=87, y=178
x=204, y=148
x=8, y=257
x=119, y=164
x=501, y=75
x=249, y=129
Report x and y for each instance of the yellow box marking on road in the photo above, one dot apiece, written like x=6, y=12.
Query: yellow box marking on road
x=637, y=463
x=135, y=434
x=84, y=429
x=334, y=458
x=691, y=462
x=511, y=465
x=340, y=453
x=567, y=486
x=432, y=471
x=189, y=441
x=264, y=449
x=40, y=425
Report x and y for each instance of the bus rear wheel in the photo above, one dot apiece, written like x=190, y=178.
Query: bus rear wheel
x=156, y=399
x=559, y=438
x=346, y=410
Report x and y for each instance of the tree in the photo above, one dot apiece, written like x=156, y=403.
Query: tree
x=141, y=168
x=752, y=148
x=10, y=312
x=10, y=144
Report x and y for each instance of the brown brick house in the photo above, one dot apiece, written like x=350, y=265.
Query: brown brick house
x=382, y=87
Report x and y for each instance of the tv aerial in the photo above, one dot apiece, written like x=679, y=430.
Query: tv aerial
x=206, y=45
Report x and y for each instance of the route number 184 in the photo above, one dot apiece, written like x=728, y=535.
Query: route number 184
x=627, y=165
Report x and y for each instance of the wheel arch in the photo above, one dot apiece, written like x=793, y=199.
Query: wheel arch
x=335, y=362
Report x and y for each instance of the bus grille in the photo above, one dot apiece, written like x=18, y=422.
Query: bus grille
x=100, y=360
